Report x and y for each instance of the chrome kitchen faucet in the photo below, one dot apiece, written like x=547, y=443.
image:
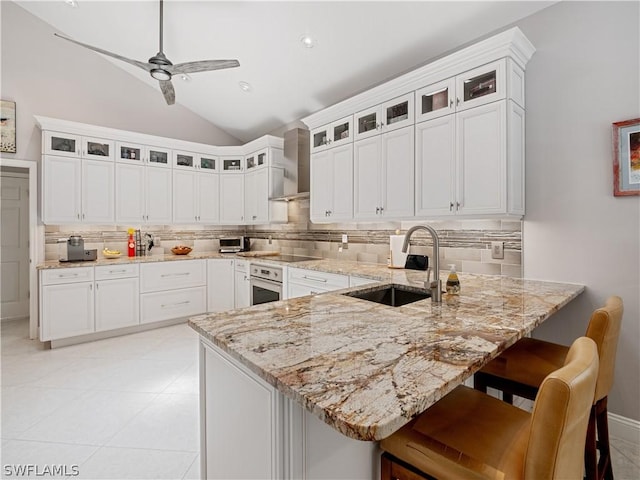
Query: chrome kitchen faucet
x=436, y=284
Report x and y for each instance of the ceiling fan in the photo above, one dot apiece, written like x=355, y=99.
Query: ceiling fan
x=161, y=68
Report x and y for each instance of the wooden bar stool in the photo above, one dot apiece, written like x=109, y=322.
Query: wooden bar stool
x=519, y=370
x=471, y=435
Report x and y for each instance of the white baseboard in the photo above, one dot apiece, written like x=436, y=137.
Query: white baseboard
x=624, y=428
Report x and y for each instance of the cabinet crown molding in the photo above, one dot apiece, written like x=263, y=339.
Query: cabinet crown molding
x=511, y=44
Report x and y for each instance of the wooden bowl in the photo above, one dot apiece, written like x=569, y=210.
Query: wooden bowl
x=181, y=250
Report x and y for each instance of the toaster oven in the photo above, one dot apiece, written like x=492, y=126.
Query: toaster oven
x=234, y=244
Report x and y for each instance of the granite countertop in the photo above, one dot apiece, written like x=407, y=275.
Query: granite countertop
x=366, y=369
x=49, y=264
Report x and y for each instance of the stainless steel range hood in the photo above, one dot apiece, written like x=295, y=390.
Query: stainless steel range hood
x=296, y=150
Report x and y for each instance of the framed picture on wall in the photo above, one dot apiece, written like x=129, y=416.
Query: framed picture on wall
x=7, y=126
x=626, y=158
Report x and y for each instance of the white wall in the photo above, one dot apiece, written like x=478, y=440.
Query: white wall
x=584, y=76
x=47, y=76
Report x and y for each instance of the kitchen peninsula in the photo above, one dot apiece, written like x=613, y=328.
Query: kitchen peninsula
x=304, y=388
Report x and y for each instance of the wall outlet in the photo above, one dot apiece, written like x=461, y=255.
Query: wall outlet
x=497, y=250
x=345, y=239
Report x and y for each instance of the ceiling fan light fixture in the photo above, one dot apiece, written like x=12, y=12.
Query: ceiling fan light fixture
x=307, y=41
x=71, y=3
x=244, y=86
x=160, y=74
x=185, y=77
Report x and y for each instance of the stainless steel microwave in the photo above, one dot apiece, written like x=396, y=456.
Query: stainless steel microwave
x=234, y=244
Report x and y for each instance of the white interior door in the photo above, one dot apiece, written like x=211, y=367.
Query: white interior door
x=14, y=241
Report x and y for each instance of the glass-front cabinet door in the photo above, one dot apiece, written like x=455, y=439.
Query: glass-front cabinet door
x=391, y=115
x=255, y=160
x=158, y=157
x=481, y=85
x=62, y=144
x=129, y=152
x=207, y=163
x=397, y=113
x=435, y=100
x=184, y=160
x=97, y=148
x=332, y=135
x=231, y=164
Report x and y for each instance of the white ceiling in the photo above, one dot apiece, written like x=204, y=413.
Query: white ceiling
x=359, y=44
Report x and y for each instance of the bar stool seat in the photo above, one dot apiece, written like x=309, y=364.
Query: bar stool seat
x=520, y=369
x=468, y=434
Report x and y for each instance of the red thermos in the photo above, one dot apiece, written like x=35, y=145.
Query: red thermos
x=131, y=244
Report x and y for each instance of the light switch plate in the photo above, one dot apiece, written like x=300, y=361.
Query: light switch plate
x=497, y=250
x=345, y=239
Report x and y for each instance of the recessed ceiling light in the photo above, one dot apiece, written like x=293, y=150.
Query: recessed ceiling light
x=185, y=77
x=244, y=86
x=71, y=3
x=308, y=41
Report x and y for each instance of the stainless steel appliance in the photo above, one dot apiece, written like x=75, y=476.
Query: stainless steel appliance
x=234, y=244
x=72, y=250
x=265, y=283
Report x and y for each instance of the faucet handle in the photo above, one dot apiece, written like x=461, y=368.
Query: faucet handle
x=427, y=282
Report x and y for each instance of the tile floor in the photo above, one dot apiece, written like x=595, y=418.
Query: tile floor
x=121, y=408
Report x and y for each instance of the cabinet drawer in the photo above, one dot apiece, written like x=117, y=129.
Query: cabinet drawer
x=57, y=276
x=242, y=266
x=117, y=271
x=155, y=307
x=155, y=277
x=325, y=281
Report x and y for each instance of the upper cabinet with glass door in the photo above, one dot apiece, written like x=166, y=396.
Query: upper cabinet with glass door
x=388, y=116
x=231, y=163
x=473, y=88
x=256, y=159
x=207, y=163
x=158, y=157
x=332, y=135
x=68, y=145
x=136, y=153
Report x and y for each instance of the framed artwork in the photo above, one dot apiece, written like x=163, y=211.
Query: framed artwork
x=7, y=126
x=626, y=158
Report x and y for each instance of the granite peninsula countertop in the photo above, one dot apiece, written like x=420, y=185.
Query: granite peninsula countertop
x=366, y=369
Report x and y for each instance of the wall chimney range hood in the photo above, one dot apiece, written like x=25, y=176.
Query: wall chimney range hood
x=296, y=149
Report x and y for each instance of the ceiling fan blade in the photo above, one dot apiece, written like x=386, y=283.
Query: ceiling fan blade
x=202, y=66
x=167, y=90
x=145, y=66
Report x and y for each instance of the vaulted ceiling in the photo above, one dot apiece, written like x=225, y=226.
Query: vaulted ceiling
x=357, y=45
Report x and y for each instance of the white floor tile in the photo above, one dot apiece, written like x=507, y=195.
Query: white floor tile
x=125, y=463
x=83, y=373
x=19, y=454
x=194, y=470
x=24, y=406
x=31, y=368
x=170, y=422
x=143, y=375
x=92, y=419
x=188, y=382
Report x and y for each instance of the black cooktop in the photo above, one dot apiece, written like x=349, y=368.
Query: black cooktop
x=291, y=258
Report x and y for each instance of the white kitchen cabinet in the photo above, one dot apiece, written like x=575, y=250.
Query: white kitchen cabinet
x=231, y=199
x=195, y=197
x=184, y=160
x=462, y=165
x=332, y=184
x=143, y=194
x=162, y=276
x=220, y=285
x=70, y=145
x=76, y=190
x=237, y=398
x=332, y=135
x=486, y=84
x=139, y=154
x=242, y=294
x=256, y=159
x=384, y=175
x=117, y=302
x=66, y=303
x=231, y=163
x=261, y=184
x=388, y=116
x=302, y=282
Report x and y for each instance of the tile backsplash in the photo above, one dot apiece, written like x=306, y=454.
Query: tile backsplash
x=465, y=243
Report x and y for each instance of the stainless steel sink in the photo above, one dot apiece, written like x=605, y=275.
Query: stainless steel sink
x=392, y=295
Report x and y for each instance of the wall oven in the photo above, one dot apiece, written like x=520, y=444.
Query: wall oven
x=266, y=283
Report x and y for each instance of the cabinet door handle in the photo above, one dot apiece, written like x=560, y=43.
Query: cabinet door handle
x=78, y=215
x=181, y=274
x=83, y=216
x=381, y=210
x=170, y=305
x=91, y=286
x=457, y=101
x=314, y=279
x=451, y=206
x=67, y=275
x=451, y=103
x=458, y=205
x=377, y=210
